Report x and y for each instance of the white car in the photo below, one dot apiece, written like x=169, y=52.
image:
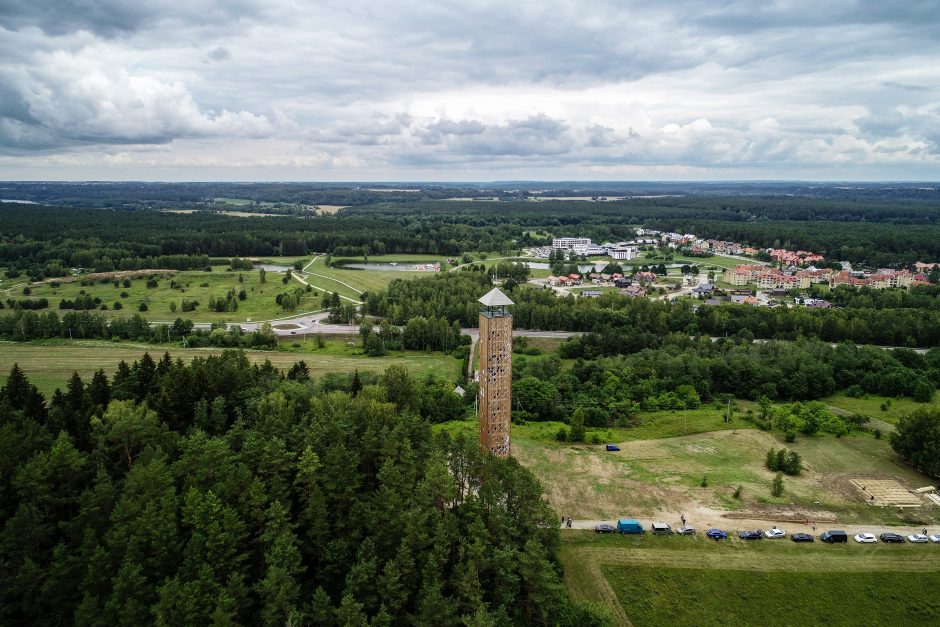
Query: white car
x=917, y=538
x=866, y=538
x=934, y=538
x=775, y=533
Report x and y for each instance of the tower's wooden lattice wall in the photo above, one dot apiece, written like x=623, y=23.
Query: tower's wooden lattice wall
x=495, y=381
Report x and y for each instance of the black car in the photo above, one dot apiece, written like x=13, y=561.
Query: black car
x=802, y=537
x=892, y=538
x=604, y=528
x=751, y=535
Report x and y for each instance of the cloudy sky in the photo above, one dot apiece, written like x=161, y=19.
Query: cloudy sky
x=469, y=90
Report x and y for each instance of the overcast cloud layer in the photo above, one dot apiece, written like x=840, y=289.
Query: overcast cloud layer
x=469, y=90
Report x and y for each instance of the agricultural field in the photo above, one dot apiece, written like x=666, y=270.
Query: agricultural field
x=174, y=287
x=650, y=580
x=49, y=364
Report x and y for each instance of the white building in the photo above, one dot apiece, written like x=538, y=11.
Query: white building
x=622, y=251
x=577, y=244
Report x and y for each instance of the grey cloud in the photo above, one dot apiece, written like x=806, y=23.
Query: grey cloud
x=112, y=18
x=219, y=54
x=905, y=86
x=920, y=124
x=70, y=100
x=537, y=135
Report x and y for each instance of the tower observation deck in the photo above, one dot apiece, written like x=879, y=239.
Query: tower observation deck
x=495, y=372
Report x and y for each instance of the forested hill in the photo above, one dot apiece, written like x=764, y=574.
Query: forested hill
x=222, y=492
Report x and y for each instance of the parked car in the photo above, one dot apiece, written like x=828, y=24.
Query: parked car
x=892, y=538
x=775, y=533
x=752, y=534
x=604, y=528
x=716, y=534
x=934, y=537
x=866, y=538
x=834, y=536
x=661, y=529
x=802, y=537
x=686, y=531
x=917, y=538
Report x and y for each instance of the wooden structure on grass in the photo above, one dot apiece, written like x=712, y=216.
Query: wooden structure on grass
x=495, y=372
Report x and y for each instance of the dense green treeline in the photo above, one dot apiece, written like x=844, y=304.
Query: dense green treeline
x=46, y=240
x=624, y=324
x=33, y=237
x=918, y=297
x=119, y=195
x=24, y=325
x=877, y=245
x=222, y=492
x=680, y=371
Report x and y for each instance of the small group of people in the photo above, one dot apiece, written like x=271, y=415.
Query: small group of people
x=566, y=523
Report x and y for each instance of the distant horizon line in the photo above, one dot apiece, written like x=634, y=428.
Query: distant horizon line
x=503, y=182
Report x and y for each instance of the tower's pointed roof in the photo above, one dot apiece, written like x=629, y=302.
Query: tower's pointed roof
x=495, y=298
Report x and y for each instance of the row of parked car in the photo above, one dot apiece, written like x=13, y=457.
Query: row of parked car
x=833, y=536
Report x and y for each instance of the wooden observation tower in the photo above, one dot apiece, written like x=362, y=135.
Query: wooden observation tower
x=495, y=372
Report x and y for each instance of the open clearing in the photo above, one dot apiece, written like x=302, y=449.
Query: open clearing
x=49, y=366
x=661, y=476
x=652, y=580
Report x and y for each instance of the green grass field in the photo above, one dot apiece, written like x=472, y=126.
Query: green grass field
x=193, y=285
x=49, y=365
x=650, y=580
x=870, y=405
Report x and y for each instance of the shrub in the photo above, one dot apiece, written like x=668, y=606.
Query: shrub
x=704, y=482
x=776, y=488
x=737, y=492
x=923, y=391
x=790, y=436
x=562, y=435
x=878, y=434
x=142, y=307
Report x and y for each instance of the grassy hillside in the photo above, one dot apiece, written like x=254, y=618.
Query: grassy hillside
x=197, y=286
x=871, y=405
